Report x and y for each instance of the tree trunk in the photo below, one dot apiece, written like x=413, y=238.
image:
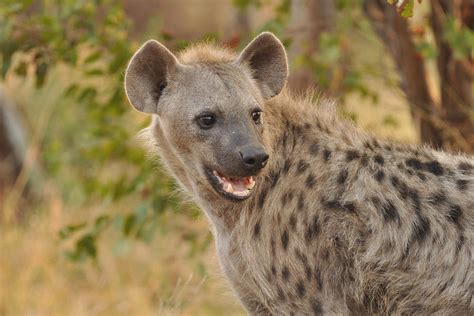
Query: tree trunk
x=309, y=19
x=446, y=125
x=394, y=32
x=456, y=75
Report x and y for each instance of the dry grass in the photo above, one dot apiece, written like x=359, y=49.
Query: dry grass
x=139, y=279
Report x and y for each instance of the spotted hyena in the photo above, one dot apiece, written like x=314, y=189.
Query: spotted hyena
x=310, y=215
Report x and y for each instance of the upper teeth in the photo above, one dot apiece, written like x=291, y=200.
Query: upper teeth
x=236, y=186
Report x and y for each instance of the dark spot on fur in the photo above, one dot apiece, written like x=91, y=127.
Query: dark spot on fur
x=422, y=228
x=256, y=229
x=465, y=167
x=395, y=181
x=462, y=184
x=314, y=148
x=454, y=213
x=273, y=177
x=389, y=212
x=292, y=222
x=285, y=238
x=400, y=186
x=421, y=175
x=326, y=254
x=341, y=179
x=326, y=154
x=308, y=272
x=273, y=269
x=331, y=204
x=437, y=198
x=368, y=145
x=300, y=288
x=376, y=201
x=379, y=176
x=286, y=166
x=434, y=167
x=272, y=246
x=337, y=205
x=302, y=166
x=301, y=205
x=261, y=198
x=414, y=196
x=301, y=256
x=319, y=279
x=316, y=307
x=285, y=273
x=312, y=230
x=349, y=206
x=310, y=181
x=281, y=294
x=379, y=159
x=414, y=163
x=286, y=198
x=460, y=242
x=352, y=154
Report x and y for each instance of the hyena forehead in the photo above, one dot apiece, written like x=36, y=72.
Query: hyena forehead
x=216, y=88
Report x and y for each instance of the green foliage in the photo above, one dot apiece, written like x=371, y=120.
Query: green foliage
x=404, y=7
x=90, y=131
x=459, y=37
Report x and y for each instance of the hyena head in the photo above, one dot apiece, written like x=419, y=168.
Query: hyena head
x=210, y=112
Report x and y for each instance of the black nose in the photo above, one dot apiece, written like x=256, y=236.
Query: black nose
x=254, y=158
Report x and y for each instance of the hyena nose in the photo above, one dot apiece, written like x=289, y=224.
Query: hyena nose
x=253, y=158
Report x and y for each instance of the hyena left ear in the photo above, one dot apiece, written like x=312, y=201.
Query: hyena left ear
x=266, y=57
x=147, y=75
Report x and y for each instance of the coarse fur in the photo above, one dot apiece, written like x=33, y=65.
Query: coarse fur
x=338, y=222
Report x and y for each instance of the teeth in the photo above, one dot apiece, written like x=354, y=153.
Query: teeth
x=249, y=183
x=236, y=186
x=228, y=187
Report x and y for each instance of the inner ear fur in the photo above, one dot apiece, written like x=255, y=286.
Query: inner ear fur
x=266, y=57
x=147, y=76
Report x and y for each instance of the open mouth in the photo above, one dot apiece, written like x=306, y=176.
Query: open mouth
x=234, y=188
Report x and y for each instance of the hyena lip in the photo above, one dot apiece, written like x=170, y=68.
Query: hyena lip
x=233, y=188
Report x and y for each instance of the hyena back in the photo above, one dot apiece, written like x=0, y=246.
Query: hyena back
x=309, y=214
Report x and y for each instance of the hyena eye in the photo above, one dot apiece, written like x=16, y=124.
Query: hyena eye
x=256, y=116
x=206, y=121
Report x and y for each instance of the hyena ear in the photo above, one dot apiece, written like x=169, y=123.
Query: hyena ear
x=266, y=57
x=147, y=76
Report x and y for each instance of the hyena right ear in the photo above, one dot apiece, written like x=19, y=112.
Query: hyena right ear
x=147, y=75
x=266, y=57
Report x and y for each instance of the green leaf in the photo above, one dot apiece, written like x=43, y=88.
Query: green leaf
x=67, y=231
x=406, y=8
x=93, y=57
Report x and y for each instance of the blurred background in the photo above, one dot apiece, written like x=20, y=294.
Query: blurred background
x=90, y=226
